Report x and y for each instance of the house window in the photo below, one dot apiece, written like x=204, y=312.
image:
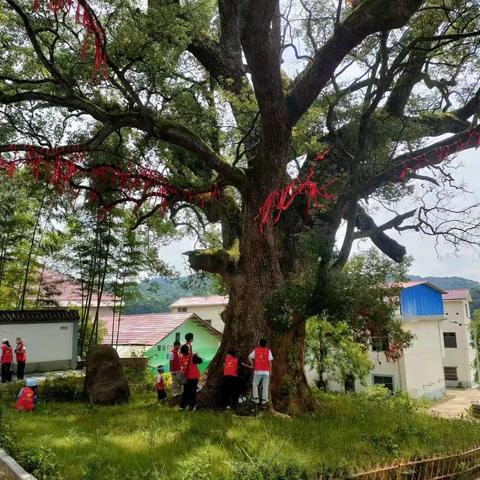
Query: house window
x=159, y=348
x=380, y=344
x=385, y=380
x=182, y=309
x=450, y=373
x=450, y=339
x=177, y=336
x=467, y=310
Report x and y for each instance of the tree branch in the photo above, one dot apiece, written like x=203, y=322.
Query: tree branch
x=382, y=241
x=369, y=17
x=393, y=223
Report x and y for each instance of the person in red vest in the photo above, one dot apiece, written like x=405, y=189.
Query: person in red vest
x=191, y=373
x=262, y=365
x=21, y=357
x=160, y=385
x=230, y=384
x=176, y=369
x=7, y=359
x=28, y=397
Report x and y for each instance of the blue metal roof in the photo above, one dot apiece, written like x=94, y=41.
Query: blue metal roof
x=421, y=300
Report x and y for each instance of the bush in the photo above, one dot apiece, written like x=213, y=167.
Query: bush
x=9, y=391
x=141, y=380
x=64, y=389
x=377, y=393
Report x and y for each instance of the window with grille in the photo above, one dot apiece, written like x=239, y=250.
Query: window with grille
x=450, y=373
x=182, y=309
x=385, y=380
x=177, y=336
x=450, y=339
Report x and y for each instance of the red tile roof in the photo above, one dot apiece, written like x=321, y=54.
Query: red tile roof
x=210, y=300
x=150, y=328
x=457, y=294
x=57, y=288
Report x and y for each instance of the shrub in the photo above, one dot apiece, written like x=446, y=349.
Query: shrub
x=9, y=391
x=63, y=389
x=141, y=380
x=377, y=392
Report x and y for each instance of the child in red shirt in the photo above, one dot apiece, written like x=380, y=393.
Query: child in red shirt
x=160, y=385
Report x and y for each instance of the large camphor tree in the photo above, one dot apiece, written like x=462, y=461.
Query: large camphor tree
x=278, y=121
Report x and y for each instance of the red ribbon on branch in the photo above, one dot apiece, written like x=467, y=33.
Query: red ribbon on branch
x=278, y=201
x=441, y=153
x=85, y=16
x=60, y=168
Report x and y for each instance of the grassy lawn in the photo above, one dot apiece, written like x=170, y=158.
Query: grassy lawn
x=142, y=440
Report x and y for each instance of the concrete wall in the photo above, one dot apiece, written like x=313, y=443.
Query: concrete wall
x=208, y=312
x=463, y=356
x=423, y=361
x=50, y=346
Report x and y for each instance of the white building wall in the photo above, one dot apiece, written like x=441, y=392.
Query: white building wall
x=50, y=346
x=457, y=320
x=423, y=361
x=208, y=312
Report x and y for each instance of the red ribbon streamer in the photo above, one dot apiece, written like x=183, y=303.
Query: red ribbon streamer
x=278, y=201
x=84, y=16
x=59, y=168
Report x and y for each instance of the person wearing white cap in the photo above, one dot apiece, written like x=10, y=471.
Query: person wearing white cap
x=7, y=359
x=28, y=396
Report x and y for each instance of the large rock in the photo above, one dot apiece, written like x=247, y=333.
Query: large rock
x=105, y=379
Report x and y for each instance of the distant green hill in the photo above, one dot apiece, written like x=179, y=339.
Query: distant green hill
x=156, y=294
x=450, y=283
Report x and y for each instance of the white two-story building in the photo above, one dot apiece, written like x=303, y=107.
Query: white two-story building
x=208, y=308
x=459, y=356
x=419, y=371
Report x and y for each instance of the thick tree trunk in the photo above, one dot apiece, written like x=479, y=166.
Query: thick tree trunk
x=266, y=261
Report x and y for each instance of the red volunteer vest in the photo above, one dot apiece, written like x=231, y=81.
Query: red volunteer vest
x=190, y=370
x=20, y=352
x=7, y=354
x=230, y=367
x=262, y=359
x=26, y=402
x=161, y=384
x=176, y=365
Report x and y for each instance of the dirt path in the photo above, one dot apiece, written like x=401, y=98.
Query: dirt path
x=456, y=403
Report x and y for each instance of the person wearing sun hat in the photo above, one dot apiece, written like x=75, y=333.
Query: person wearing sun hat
x=28, y=396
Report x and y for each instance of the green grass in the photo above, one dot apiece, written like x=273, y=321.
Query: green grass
x=143, y=440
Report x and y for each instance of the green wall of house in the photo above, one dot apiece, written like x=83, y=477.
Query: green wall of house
x=204, y=343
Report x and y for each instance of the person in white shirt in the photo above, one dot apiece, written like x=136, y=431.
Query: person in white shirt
x=261, y=360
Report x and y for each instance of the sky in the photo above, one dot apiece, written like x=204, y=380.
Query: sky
x=429, y=259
